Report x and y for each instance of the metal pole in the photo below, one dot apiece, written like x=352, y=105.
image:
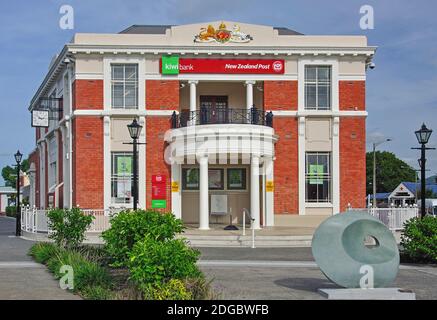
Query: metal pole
x=18, y=215
x=135, y=175
x=423, y=182
x=374, y=176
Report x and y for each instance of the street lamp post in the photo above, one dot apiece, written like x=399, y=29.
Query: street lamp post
x=423, y=135
x=18, y=156
x=375, y=144
x=135, y=131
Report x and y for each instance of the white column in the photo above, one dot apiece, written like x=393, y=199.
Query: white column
x=249, y=94
x=176, y=199
x=106, y=162
x=269, y=196
x=254, y=191
x=203, y=193
x=301, y=164
x=193, y=98
x=335, y=165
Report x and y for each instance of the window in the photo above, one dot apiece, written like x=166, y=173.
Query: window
x=124, y=86
x=317, y=87
x=190, y=179
x=121, y=177
x=318, y=177
x=216, y=179
x=236, y=179
x=52, y=161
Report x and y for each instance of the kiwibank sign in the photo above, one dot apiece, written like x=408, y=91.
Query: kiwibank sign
x=173, y=65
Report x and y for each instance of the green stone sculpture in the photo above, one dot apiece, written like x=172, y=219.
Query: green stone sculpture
x=339, y=249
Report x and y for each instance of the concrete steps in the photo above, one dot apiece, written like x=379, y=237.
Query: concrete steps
x=246, y=241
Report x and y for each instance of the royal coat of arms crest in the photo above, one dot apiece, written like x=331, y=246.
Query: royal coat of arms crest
x=222, y=35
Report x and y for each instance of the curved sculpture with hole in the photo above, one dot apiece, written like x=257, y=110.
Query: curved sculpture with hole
x=341, y=253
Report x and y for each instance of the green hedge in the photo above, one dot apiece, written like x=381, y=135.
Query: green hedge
x=419, y=240
x=129, y=227
x=11, y=211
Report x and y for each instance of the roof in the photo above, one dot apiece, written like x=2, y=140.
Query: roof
x=381, y=195
x=146, y=29
x=161, y=28
x=412, y=186
x=5, y=189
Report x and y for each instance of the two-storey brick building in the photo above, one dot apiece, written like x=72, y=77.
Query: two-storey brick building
x=234, y=116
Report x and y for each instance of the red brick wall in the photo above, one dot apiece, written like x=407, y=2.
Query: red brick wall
x=46, y=175
x=60, y=170
x=162, y=94
x=34, y=158
x=352, y=94
x=280, y=95
x=88, y=162
x=87, y=94
x=286, y=197
x=283, y=95
x=352, y=162
x=155, y=163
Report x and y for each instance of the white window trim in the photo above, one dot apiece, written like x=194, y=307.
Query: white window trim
x=107, y=92
x=333, y=63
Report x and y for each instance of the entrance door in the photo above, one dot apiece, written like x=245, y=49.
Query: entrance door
x=215, y=108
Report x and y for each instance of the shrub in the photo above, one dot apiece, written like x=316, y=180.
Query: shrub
x=86, y=273
x=68, y=226
x=11, y=211
x=129, y=227
x=173, y=289
x=154, y=262
x=419, y=239
x=201, y=289
x=43, y=251
x=97, y=293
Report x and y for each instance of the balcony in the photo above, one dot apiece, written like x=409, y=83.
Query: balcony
x=205, y=116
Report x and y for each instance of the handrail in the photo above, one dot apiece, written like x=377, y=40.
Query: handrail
x=222, y=116
x=252, y=220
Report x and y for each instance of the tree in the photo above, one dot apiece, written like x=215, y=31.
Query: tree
x=390, y=172
x=9, y=173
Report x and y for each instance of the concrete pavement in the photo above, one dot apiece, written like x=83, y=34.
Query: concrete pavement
x=290, y=273
x=20, y=277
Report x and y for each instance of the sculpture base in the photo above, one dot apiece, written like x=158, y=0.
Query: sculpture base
x=368, y=294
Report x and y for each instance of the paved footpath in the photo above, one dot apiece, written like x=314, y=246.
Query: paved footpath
x=20, y=277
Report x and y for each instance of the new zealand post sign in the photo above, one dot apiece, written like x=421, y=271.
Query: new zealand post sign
x=172, y=65
x=159, y=191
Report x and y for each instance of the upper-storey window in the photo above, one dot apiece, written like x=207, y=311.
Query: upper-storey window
x=52, y=161
x=124, y=86
x=317, y=87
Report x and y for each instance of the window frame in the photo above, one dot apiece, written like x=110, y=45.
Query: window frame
x=124, y=82
x=115, y=177
x=317, y=84
x=325, y=177
x=244, y=179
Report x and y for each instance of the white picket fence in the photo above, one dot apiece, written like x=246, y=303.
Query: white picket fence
x=35, y=220
x=394, y=218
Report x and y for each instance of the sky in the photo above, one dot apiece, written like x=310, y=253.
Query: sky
x=401, y=90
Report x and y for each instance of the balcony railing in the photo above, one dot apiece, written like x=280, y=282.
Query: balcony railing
x=222, y=116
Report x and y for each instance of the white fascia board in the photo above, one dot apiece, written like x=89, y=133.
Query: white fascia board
x=112, y=112
x=209, y=50
x=309, y=113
